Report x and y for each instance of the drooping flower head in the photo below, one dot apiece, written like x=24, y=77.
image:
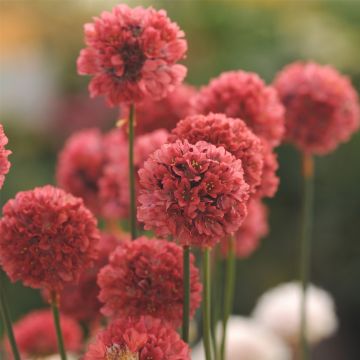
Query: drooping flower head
x=145, y=277
x=151, y=115
x=197, y=193
x=4, y=162
x=132, y=54
x=254, y=227
x=322, y=107
x=232, y=134
x=36, y=337
x=47, y=238
x=279, y=310
x=244, y=95
x=138, y=339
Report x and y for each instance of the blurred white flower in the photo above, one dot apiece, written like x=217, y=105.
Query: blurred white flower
x=279, y=310
x=247, y=340
x=56, y=357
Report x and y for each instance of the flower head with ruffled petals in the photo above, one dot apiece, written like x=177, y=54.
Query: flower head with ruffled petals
x=4, y=162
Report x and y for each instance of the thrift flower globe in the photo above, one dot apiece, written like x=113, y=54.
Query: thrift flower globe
x=322, y=107
x=232, y=134
x=132, y=54
x=47, y=238
x=4, y=162
x=145, y=277
x=138, y=339
x=197, y=193
x=279, y=310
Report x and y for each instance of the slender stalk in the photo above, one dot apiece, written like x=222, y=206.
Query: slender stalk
x=55, y=310
x=132, y=173
x=229, y=292
x=305, y=258
x=186, y=304
x=5, y=314
x=207, y=303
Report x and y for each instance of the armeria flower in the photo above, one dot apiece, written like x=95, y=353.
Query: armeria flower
x=47, y=238
x=322, y=107
x=232, y=134
x=80, y=301
x=145, y=277
x=36, y=337
x=254, y=227
x=132, y=54
x=138, y=339
x=279, y=310
x=244, y=95
x=196, y=193
x=4, y=162
x=80, y=166
x=151, y=115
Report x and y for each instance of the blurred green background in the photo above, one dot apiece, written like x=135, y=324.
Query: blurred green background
x=42, y=100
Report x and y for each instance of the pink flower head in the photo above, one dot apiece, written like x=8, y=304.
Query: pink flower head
x=244, y=95
x=322, y=107
x=47, y=238
x=138, y=339
x=132, y=54
x=36, y=337
x=4, y=162
x=232, y=134
x=80, y=301
x=254, y=227
x=196, y=193
x=151, y=115
x=80, y=166
x=145, y=277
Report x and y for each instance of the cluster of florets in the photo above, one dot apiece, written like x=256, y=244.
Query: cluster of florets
x=47, y=238
x=322, y=107
x=145, y=277
x=4, y=153
x=132, y=54
x=197, y=193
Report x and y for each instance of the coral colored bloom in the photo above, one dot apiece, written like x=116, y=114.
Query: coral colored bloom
x=197, y=193
x=322, y=107
x=36, y=337
x=232, y=134
x=244, y=95
x=254, y=227
x=138, y=339
x=151, y=115
x=47, y=238
x=132, y=54
x=4, y=162
x=145, y=277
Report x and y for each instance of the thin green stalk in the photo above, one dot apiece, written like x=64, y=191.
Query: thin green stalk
x=5, y=314
x=207, y=303
x=132, y=173
x=60, y=340
x=186, y=304
x=229, y=292
x=305, y=258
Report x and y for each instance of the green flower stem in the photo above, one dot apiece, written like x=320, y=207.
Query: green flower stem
x=186, y=304
x=229, y=292
x=207, y=303
x=55, y=310
x=305, y=257
x=215, y=300
x=132, y=173
x=5, y=314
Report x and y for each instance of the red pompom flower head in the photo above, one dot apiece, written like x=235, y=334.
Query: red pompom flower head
x=232, y=134
x=197, y=193
x=145, y=277
x=322, y=107
x=47, y=238
x=36, y=337
x=4, y=162
x=132, y=54
x=138, y=339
